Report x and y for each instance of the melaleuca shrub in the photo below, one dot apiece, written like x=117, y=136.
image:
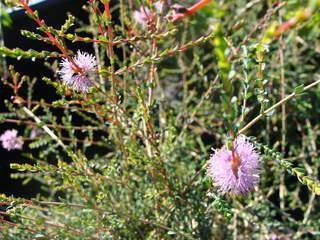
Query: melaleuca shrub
x=177, y=120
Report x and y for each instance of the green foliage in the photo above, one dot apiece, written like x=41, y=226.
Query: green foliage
x=5, y=17
x=30, y=54
x=127, y=160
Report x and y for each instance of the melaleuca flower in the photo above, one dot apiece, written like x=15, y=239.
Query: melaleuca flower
x=235, y=171
x=141, y=16
x=144, y=13
x=10, y=140
x=158, y=6
x=78, y=79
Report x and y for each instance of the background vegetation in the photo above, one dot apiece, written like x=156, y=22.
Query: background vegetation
x=128, y=159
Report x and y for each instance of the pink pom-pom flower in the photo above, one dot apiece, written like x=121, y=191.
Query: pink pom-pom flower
x=141, y=16
x=78, y=80
x=237, y=171
x=10, y=140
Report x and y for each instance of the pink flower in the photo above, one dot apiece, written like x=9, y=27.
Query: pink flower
x=10, y=140
x=236, y=172
x=141, y=16
x=79, y=81
x=158, y=6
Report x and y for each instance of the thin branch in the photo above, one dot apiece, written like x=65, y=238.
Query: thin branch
x=278, y=104
x=45, y=127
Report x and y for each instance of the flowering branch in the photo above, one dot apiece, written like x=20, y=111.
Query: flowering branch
x=53, y=39
x=165, y=53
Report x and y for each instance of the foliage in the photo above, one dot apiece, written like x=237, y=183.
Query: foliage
x=164, y=94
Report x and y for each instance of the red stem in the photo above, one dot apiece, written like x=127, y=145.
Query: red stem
x=98, y=12
x=111, y=53
x=53, y=39
x=146, y=14
x=108, y=15
x=9, y=223
x=191, y=10
x=196, y=7
x=235, y=160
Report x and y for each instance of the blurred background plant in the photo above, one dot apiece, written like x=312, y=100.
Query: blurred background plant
x=127, y=160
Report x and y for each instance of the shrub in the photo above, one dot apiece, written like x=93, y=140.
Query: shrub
x=123, y=153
